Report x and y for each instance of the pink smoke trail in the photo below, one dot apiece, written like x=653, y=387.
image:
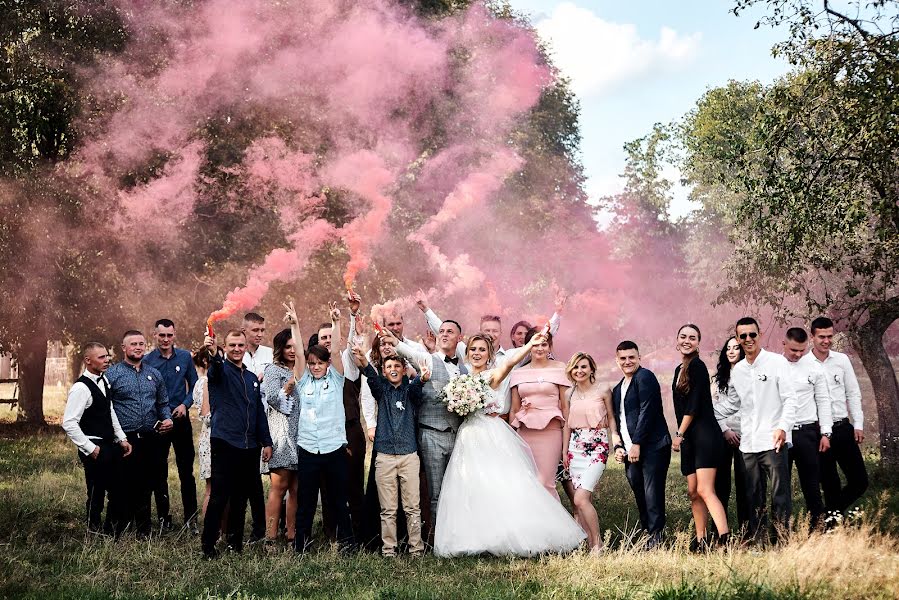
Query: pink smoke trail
x=279, y=264
x=459, y=274
x=365, y=174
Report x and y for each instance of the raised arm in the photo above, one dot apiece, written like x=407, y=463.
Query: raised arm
x=336, y=339
x=502, y=370
x=434, y=322
x=299, y=365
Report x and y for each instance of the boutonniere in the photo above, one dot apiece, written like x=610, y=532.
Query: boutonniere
x=836, y=378
x=810, y=381
x=177, y=368
x=763, y=377
x=149, y=377
x=400, y=405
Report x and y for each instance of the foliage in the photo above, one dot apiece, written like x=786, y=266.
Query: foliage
x=813, y=161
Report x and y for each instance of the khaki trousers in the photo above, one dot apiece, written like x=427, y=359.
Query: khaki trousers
x=396, y=475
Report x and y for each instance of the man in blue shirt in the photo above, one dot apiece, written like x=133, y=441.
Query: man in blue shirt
x=177, y=368
x=141, y=404
x=239, y=430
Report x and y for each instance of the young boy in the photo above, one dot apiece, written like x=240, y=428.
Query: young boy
x=397, y=463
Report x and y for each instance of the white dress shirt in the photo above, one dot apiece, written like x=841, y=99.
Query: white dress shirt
x=256, y=361
x=813, y=401
x=763, y=394
x=622, y=427
x=843, y=385
x=80, y=399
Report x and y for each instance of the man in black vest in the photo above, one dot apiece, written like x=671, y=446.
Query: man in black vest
x=643, y=443
x=92, y=425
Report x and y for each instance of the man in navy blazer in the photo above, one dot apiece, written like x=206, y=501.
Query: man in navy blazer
x=643, y=443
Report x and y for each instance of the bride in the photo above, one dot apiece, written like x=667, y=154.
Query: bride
x=492, y=500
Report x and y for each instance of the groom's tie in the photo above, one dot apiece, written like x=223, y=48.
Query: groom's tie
x=454, y=360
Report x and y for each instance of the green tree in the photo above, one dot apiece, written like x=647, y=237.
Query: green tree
x=805, y=172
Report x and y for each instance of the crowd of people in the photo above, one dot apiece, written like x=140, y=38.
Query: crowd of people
x=302, y=412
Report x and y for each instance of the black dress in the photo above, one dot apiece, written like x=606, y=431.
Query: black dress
x=703, y=443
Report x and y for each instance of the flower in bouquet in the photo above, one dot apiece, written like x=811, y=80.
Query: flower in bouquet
x=465, y=394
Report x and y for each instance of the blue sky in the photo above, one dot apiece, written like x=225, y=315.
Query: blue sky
x=637, y=62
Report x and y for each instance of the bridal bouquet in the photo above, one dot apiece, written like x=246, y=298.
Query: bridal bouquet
x=465, y=394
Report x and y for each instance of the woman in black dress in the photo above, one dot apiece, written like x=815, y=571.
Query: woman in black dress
x=698, y=436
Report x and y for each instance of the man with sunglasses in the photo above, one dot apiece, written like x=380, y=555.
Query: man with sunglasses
x=179, y=374
x=763, y=394
x=848, y=422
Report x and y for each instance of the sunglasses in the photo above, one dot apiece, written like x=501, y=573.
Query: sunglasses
x=751, y=335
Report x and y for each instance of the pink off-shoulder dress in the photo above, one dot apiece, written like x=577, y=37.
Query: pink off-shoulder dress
x=539, y=421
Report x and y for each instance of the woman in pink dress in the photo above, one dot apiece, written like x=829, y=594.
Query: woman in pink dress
x=540, y=408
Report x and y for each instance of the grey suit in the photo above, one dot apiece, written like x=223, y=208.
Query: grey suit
x=437, y=429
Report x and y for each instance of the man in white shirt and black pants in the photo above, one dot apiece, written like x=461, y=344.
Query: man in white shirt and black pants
x=91, y=423
x=848, y=422
x=762, y=392
x=814, y=423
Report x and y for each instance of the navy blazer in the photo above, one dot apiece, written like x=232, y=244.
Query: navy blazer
x=643, y=406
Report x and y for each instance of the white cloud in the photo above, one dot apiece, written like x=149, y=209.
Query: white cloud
x=598, y=54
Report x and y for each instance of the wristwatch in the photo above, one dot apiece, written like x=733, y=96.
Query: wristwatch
x=827, y=435
x=678, y=434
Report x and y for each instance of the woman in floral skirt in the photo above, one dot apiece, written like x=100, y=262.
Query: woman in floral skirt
x=587, y=430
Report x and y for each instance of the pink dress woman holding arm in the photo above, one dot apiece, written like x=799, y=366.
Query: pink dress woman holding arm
x=540, y=408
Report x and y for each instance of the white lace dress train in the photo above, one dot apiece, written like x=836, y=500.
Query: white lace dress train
x=492, y=500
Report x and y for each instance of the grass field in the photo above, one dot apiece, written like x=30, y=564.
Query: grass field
x=45, y=553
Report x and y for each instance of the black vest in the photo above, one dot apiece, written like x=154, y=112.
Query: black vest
x=97, y=420
x=351, y=392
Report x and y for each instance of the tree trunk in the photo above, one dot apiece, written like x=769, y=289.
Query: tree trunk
x=867, y=341
x=32, y=361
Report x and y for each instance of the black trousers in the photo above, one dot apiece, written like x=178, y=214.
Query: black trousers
x=355, y=460
x=647, y=480
x=141, y=470
x=235, y=472
x=845, y=452
x=103, y=478
x=804, y=454
x=181, y=437
x=773, y=467
x=724, y=482
x=311, y=470
x=257, y=506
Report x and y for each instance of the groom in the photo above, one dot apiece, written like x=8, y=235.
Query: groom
x=644, y=445
x=436, y=425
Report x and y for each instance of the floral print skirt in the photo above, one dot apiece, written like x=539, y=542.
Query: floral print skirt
x=588, y=451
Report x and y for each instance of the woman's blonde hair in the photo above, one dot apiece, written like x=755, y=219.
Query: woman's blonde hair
x=491, y=353
x=578, y=357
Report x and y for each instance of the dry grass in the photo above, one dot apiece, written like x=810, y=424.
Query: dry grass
x=44, y=552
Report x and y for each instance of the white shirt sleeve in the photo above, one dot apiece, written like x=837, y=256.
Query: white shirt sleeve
x=789, y=399
x=416, y=356
x=434, y=322
x=554, y=322
x=823, y=400
x=853, y=395
x=727, y=406
x=78, y=401
x=350, y=369
x=116, y=427
x=369, y=405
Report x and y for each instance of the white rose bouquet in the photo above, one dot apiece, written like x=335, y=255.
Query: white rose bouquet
x=465, y=394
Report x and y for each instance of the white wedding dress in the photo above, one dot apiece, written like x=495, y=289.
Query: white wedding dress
x=492, y=501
